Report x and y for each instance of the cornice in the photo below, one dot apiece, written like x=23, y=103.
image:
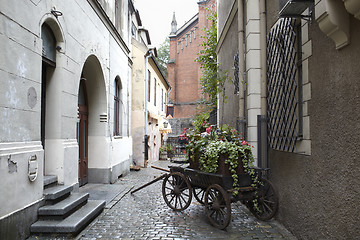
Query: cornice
x=353, y=7
x=333, y=20
x=109, y=25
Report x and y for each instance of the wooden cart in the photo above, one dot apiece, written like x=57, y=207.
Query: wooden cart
x=215, y=191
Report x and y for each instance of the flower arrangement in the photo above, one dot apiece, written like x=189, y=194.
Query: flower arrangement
x=167, y=148
x=209, y=143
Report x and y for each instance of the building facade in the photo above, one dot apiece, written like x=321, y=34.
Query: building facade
x=149, y=99
x=183, y=72
x=65, y=100
x=295, y=95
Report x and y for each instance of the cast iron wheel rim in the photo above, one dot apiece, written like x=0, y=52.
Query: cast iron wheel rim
x=217, y=206
x=199, y=194
x=268, y=201
x=177, y=191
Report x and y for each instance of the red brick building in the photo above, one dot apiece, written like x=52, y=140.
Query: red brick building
x=183, y=72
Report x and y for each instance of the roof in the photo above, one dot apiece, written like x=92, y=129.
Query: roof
x=186, y=25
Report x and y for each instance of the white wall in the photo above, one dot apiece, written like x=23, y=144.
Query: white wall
x=80, y=33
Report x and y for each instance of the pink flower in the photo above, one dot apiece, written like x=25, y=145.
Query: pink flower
x=233, y=130
x=208, y=130
x=241, y=133
x=244, y=143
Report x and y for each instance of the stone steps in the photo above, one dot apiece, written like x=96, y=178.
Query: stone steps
x=65, y=212
x=57, y=192
x=73, y=223
x=63, y=208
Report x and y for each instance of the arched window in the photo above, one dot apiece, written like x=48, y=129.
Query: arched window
x=117, y=107
x=49, y=45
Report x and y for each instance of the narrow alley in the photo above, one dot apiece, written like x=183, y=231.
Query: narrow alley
x=145, y=215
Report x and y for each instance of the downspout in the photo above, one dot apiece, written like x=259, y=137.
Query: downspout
x=146, y=153
x=262, y=120
x=241, y=34
x=263, y=55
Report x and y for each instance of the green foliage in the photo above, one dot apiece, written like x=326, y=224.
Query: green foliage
x=200, y=121
x=163, y=56
x=212, y=77
x=207, y=147
x=167, y=148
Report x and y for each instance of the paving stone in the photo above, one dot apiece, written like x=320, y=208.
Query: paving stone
x=145, y=215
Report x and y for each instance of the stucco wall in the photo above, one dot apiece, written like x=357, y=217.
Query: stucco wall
x=20, y=97
x=223, y=9
x=229, y=108
x=319, y=194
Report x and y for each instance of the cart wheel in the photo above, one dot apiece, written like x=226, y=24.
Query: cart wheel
x=199, y=194
x=217, y=206
x=268, y=201
x=176, y=191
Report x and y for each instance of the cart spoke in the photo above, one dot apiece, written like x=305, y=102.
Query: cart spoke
x=172, y=199
x=268, y=201
x=168, y=188
x=176, y=200
x=180, y=202
x=182, y=198
x=267, y=207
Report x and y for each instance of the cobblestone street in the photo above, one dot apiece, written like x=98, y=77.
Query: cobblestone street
x=145, y=215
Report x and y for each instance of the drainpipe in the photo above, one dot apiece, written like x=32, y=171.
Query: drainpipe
x=146, y=153
x=242, y=64
x=262, y=120
x=263, y=55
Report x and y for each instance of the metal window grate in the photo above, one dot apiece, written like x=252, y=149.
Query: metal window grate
x=282, y=86
x=236, y=73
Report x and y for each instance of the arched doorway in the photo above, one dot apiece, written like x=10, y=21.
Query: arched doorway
x=82, y=132
x=48, y=68
x=93, y=123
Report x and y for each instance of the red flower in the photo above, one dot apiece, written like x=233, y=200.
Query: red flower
x=244, y=143
x=208, y=130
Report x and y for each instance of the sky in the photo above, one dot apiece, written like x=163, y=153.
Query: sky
x=156, y=16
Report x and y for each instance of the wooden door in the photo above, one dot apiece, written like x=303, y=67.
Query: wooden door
x=82, y=135
x=83, y=144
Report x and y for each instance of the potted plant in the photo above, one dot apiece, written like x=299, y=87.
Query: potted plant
x=220, y=150
x=166, y=151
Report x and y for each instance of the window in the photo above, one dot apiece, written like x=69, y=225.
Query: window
x=149, y=84
x=118, y=15
x=154, y=91
x=49, y=45
x=162, y=99
x=117, y=107
x=133, y=30
x=170, y=111
x=236, y=73
x=284, y=85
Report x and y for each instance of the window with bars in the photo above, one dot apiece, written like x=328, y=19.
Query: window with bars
x=284, y=91
x=117, y=107
x=236, y=73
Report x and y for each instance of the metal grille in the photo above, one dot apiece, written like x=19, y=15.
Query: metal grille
x=282, y=86
x=236, y=73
